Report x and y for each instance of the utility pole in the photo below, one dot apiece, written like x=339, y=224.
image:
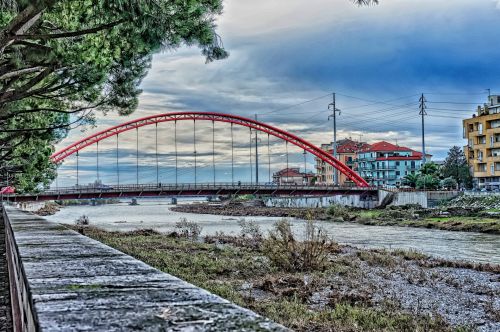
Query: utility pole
x=423, y=113
x=334, y=110
x=256, y=156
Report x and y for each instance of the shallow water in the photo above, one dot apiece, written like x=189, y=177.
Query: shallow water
x=157, y=215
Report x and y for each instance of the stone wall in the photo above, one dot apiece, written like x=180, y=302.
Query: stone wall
x=426, y=199
x=23, y=315
x=366, y=202
x=77, y=283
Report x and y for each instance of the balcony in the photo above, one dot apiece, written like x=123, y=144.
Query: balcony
x=493, y=130
x=385, y=168
x=389, y=178
x=481, y=174
x=494, y=145
x=474, y=133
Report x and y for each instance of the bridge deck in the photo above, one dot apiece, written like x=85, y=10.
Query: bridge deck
x=77, y=283
x=189, y=190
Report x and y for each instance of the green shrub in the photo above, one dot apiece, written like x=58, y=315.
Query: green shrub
x=338, y=211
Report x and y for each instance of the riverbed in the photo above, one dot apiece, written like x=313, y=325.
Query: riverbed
x=151, y=214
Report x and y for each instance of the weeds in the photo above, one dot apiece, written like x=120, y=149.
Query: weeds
x=338, y=211
x=410, y=255
x=251, y=231
x=289, y=254
x=188, y=229
x=82, y=221
x=375, y=258
x=337, y=293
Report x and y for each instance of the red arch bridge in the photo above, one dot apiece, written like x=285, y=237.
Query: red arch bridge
x=175, y=188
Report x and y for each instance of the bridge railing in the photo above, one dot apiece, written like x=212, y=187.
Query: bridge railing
x=191, y=187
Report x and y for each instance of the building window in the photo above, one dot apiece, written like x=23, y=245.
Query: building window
x=397, y=163
x=398, y=173
x=492, y=169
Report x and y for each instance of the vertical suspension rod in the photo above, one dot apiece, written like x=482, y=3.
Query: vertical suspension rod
x=97, y=169
x=268, y=159
x=232, y=155
x=137, y=155
x=250, y=154
x=77, y=171
x=286, y=146
x=213, y=148
x=305, y=167
x=156, y=153
x=194, y=144
x=175, y=143
x=117, y=162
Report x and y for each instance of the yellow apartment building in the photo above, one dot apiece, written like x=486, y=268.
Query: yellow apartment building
x=482, y=151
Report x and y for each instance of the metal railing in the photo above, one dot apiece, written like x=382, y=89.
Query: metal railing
x=188, y=187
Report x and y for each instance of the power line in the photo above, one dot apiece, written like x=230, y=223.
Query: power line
x=295, y=105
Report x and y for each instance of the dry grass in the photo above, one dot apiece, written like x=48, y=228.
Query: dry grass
x=283, y=285
x=289, y=254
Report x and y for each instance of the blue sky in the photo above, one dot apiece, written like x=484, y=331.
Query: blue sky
x=377, y=59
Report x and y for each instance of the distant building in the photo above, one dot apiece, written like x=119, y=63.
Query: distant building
x=386, y=164
x=346, y=153
x=292, y=176
x=482, y=151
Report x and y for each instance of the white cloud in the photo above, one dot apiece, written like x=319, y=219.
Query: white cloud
x=245, y=84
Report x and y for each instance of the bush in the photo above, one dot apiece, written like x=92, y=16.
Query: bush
x=250, y=230
x=285, y=252
x=82, y=221
x=188, y=229
x=449, y=183
x=428, y=182
x=338, y=211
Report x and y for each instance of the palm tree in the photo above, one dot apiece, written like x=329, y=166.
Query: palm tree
x=429, y=169
x=411, y=179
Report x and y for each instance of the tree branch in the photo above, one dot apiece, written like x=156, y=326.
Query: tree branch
x=10, y=96
x=20, y=72
x=68, y=34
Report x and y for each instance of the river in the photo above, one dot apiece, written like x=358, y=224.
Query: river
x=477, y=247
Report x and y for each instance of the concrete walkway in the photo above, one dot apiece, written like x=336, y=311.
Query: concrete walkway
x=80, y=284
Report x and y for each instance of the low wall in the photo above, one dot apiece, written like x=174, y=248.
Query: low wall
x=426, y=199
x=23, y=314
x=365, y=202
x=63, y=281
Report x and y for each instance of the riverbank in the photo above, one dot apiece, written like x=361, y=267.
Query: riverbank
x=409, y=216
x=321, y=286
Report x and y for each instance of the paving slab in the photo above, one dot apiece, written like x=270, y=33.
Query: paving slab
x=79, y=284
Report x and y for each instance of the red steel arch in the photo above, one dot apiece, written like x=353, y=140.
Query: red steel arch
x=218, y=117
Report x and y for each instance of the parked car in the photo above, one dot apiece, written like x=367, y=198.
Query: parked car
x=8, y=190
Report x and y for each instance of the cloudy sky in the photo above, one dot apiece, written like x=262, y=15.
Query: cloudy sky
x=285, y=53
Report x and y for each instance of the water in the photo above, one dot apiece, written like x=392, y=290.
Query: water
x=157, y=215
